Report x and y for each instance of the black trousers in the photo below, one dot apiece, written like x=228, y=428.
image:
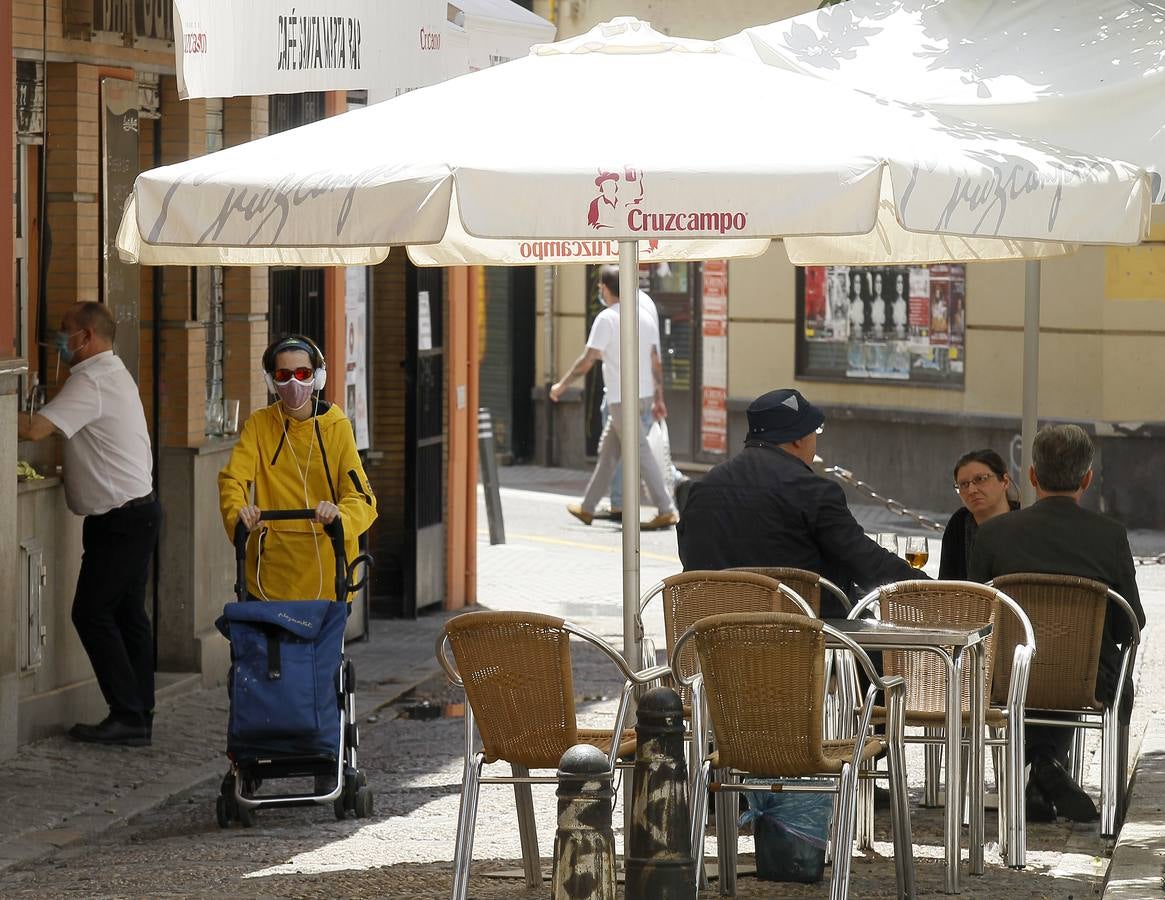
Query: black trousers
x=1051, y=742
x=109, y=607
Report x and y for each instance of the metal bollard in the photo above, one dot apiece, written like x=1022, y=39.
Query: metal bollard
x=584, y=845
x=487, y=457
x=659, y=846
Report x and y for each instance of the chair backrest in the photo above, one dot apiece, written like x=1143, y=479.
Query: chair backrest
x=804, y=582
x=950, y=604
x=517, y=675
x=808, y=584
x=763, y=677
x=1067, y=616
x=691, y=596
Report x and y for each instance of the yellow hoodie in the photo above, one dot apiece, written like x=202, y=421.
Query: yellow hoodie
x=285, y=461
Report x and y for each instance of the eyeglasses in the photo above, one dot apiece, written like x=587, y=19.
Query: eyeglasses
x=961, y=487
x=820, y=430
x=303, y=373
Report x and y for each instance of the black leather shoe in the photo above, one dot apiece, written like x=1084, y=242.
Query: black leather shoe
x=111, y=731
x=1039, y=808
x=1068, y=797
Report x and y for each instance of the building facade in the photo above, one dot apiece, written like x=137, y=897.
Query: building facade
x=91, y=97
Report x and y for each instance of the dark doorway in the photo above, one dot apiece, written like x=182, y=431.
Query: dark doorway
x=424, y=563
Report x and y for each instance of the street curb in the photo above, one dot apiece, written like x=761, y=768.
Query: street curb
x=1138, y=860
x=107, y=814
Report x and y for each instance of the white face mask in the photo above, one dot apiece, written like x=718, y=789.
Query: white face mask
x=295, y=394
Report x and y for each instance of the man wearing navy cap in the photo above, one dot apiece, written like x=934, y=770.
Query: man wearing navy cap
x=767, y=507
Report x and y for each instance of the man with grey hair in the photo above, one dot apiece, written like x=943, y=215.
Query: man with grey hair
x=1057, y=536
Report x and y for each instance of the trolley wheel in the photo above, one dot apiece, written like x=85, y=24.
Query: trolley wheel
x=340, y=808
x=222, y=812
x=361, y=778
x=246, y=817
x=364, y=803
x=227, y=788
x=351, y=785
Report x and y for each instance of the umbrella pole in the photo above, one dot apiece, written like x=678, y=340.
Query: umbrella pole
x=1031, y=376
x=629, y=410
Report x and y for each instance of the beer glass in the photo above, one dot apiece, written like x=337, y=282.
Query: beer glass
x=916, y=550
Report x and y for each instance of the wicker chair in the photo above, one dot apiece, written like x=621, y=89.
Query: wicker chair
x=689, y=597
x=1067, y=614
x=516, y=671
x=959, y=604
x=808, y=585
x=762, y=678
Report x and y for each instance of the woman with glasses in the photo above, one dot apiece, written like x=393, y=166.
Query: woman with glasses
x=982, y=483
x=298, y=453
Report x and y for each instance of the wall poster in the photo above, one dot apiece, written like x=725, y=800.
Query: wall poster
x=893, y=324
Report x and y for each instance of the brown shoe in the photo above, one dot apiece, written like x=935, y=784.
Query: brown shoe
x=579, y=513
x=661, y=520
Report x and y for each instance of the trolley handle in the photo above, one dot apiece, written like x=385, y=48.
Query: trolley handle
x=333, y=529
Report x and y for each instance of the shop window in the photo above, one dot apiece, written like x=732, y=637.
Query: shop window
x=886, y=324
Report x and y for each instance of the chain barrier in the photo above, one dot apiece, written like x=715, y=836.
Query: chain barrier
x=847, y=477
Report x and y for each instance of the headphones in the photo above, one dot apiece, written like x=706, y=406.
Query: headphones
x=295, y=342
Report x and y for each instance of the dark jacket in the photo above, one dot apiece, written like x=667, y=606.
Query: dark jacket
x=765, y=507
x=958, y=539
x=1057, y=536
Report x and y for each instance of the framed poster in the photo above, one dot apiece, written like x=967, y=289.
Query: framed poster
x=887, y=324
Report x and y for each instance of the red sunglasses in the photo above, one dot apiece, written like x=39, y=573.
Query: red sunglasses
x=303, y=373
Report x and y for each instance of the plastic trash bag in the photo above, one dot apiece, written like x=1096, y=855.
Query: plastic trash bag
x=660, y=445
x=791, y=831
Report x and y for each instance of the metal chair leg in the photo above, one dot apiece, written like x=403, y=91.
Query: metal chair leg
x=864, y=812
x=900, y=818
x=932, y=758
x=466, y=820
x=997, y=764
x=1016, y=784
x=726, y=834
x=699, y=811
x=846, y=821
x=527, y=828
x=1109, y=763
x=1076, y=755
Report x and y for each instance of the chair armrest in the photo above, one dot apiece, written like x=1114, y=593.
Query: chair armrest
x=1127, y=608
x=648, y=675
x=443, y=659
x=865, y=603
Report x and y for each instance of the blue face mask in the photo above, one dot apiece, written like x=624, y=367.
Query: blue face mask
x=61, y=341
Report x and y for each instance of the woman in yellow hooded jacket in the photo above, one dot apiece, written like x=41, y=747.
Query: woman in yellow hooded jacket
x=297, y=453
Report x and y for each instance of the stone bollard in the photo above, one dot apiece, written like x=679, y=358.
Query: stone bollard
x=584, y=845
x=659, y=846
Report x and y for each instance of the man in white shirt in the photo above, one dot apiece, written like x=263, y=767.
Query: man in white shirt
x=603, y=344
x=108, y=472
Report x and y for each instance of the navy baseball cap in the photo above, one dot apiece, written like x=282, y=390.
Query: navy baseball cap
x=782, y=416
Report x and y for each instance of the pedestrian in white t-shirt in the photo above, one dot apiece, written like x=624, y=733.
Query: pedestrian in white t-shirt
x=108, y=474
x=603, y=344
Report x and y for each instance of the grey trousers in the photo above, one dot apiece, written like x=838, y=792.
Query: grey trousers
x=610, y=452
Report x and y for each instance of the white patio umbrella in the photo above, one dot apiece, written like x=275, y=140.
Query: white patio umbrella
x=1084, y=75
x=578, y=159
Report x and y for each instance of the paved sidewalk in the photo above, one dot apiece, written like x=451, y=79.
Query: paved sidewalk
x=57, y=792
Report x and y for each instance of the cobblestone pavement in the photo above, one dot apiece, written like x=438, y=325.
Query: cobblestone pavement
x=551, y=563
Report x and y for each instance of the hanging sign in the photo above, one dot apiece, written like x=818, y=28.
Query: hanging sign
x=267, y=47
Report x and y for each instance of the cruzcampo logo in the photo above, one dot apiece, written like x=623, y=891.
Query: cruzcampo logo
x=620, y=200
